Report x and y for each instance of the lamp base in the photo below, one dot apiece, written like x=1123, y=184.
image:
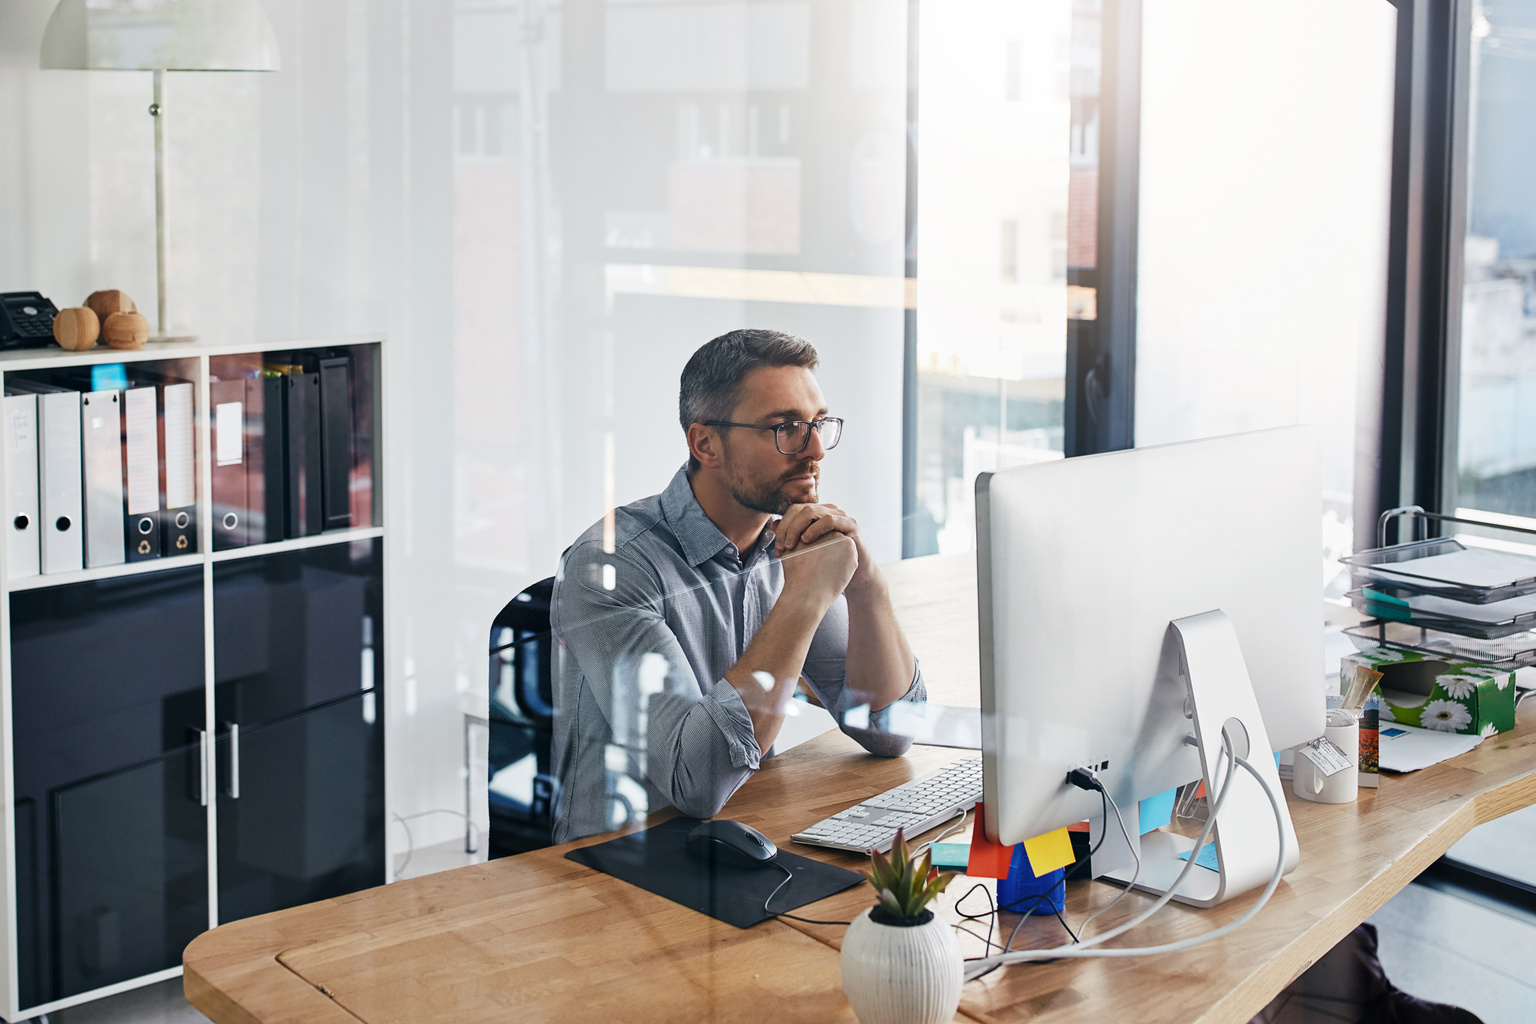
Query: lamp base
x=153, y=338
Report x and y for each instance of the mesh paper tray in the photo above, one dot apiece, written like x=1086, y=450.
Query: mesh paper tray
x=1506, y=576
x=1505, y=653
x=1387, y=602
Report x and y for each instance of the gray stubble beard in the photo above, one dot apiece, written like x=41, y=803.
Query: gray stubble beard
x=773, y=502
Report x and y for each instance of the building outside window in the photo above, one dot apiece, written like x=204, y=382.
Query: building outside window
x=1497, y=409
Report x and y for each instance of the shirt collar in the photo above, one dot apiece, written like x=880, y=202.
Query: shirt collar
x=700, y=538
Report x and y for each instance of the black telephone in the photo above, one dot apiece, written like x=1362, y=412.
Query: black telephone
x=26, y=320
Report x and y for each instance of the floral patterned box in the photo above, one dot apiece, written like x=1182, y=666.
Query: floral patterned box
x=1450, y=696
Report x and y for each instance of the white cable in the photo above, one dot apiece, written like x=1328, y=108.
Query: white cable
x=788, y=877
x=957, y=826
x=1135, y=852
x=1213, y=811
x=410, y=843
x=1200, y=841
x=976, y=967
x=410, y=848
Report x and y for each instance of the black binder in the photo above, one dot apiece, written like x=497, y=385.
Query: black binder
x=264, y=445
x=304, y=514
x=178, y=487
x=336, y=440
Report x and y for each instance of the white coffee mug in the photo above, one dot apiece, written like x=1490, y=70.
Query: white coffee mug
x=1308, y=781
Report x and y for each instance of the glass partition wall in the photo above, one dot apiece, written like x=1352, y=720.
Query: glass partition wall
x=548, y=204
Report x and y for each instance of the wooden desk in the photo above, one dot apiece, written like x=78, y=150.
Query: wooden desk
x=540, y=937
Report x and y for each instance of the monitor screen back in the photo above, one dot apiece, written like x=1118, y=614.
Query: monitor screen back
x=1081, y=566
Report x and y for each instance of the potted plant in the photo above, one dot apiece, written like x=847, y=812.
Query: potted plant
x=901, y=964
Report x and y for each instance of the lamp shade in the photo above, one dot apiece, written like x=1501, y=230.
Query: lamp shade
x=160, y=35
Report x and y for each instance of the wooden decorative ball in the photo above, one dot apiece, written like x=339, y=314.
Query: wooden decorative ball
x=105, y=303
x=126, y=330
x=76, y=329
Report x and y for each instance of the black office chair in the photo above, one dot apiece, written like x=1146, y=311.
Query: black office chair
x=522, y=717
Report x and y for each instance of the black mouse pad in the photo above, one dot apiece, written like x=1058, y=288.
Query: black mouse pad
x=656, y=861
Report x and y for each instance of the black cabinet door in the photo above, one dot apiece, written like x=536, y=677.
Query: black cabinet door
x=301, y=808
x=107, y=695
x=296, y=629
x=130, y=866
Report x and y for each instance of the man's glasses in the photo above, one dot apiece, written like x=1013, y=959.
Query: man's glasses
x=794, y=437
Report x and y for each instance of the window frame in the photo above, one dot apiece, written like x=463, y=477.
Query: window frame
x=1414, y=426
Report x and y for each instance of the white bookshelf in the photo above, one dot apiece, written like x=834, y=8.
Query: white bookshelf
x=196, y=362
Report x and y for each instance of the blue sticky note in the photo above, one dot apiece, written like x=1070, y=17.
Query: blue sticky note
x=109, y=377
x=951, y=856
x=1207, y=858
x=1157, y=811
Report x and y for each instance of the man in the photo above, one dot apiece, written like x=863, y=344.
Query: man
x=686, y=619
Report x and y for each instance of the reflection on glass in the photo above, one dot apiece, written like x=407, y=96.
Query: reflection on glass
x=631, y=180
x=1497, y=430
x=1003, y=95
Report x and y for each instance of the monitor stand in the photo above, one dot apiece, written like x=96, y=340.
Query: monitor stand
x=1219, y=691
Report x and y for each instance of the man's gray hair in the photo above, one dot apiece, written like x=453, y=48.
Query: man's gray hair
x=713, y=377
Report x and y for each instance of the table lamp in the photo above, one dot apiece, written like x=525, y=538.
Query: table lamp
x=160, y=36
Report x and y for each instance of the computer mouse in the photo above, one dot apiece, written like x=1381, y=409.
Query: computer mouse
x=730, y=842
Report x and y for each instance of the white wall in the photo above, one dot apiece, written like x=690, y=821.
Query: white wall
x=415, y=169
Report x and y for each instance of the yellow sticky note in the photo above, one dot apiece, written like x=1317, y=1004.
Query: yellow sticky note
x=1050, y=851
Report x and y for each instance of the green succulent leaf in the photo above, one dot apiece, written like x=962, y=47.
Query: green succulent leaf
x=888, y=901
x=905, y=884
x=879, y=869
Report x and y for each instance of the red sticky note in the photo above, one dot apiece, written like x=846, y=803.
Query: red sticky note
x=988, y=859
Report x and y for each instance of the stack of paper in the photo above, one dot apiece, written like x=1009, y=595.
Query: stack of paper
x=1405, y=748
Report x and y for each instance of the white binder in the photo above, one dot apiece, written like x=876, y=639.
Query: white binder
x=21, y=550
x=58, y=478
x=101, y=443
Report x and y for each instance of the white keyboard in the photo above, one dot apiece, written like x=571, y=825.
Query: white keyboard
x=916, y=806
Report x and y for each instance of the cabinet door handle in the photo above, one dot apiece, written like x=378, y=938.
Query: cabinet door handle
x=234, y=760
x=202, y=766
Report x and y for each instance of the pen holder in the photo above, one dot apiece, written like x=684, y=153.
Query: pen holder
x=1308, y=780
x=1017, y=893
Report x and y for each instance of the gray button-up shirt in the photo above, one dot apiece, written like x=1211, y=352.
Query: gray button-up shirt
x=646, y=632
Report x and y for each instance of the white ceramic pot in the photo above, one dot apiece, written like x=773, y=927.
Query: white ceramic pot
x=897, y=975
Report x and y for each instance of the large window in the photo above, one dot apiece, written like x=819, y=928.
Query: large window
x=1262, y=247
x=1496, y=457
x=1006, y=202
x=1259, y=180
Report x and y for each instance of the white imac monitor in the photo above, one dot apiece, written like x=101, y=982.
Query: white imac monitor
x=1081, y=567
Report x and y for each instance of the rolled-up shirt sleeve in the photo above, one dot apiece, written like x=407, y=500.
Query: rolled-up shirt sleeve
x=695, y=745
x=826, y=671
